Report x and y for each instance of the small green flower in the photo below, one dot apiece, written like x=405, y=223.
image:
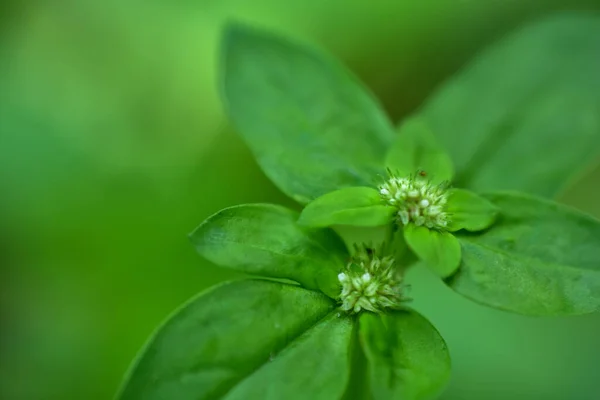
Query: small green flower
x=417, y=200
x=416, y=197
x=371, y=282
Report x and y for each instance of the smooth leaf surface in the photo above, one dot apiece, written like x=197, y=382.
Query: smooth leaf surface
x=469, y=211
x=266, y=240
x=417, y=149
x=525, y=114
x=221, y=340
x=407, y=357
x=315, y=366
x=311, y=125
x=440, y=250
x=539, y=258
x=358, y=206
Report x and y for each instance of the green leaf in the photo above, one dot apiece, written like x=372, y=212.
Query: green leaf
x=311, y=125
x=469, y=211
x=358, y=206
x=524, y=114
x=539, y=258
x=439, y=250
x=315, y=366
x=265, y=239
x=417, y=149
x=243, y=338
x=407, y=357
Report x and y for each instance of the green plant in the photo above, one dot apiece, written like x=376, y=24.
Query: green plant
x=323, y=322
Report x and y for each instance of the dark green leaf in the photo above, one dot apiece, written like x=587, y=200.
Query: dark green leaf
x=230, y=340
x=310, y=124
x=469, y=211
x=439, y=250
x=358, y=206
x=265, y=239
x=525, y=115
x=416, y=149
x=407, y=357
x=315, y=366
x=539, y=258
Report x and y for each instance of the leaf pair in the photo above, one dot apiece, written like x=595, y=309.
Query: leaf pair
x=415, y=149
x=363, y=206
x=514, y=119
x=315, y=130
x=259, y=339
x=272, y=340
x=538, y=258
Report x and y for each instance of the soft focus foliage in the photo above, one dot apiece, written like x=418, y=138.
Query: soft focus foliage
x=112, y=147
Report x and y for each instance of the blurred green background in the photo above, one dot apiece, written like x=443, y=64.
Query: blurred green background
x=113, y=146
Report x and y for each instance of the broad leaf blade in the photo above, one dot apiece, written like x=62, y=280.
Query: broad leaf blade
x=311, y=126
x=314, y=366
x=407, y=357
x=358, y=206
x=416, y=149
x=539, y=258
x=214, y=342
x=469, y=211
x=265, y=239
x=524, y=115
x=440, y=250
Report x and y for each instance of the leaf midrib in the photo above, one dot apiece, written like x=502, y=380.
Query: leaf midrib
x=259, y=366
x=284, y=255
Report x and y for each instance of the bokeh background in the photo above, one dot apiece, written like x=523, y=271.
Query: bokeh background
x=114, y=145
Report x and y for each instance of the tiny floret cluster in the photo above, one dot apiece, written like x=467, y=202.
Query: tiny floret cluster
x=417, y=200
x=370, y=283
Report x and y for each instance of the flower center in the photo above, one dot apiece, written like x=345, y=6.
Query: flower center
x=371, y=283
x=417, y=200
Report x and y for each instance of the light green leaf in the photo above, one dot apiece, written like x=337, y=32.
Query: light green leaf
x=265, y=239
x=524, y=114
x=439, y=250
x=469, y=211
x=407, y=357
x=539, y=258
x=226, y=341
x=358, y=206
x=417, y=149
x=311, y=125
